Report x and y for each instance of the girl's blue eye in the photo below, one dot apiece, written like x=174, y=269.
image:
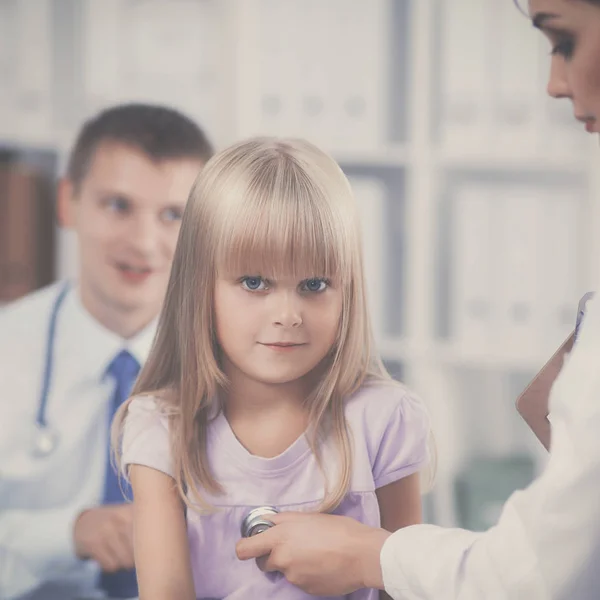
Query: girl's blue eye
x=253, y=284
x=315, y=285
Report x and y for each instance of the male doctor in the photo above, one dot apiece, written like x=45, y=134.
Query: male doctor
x=69, y=354
x=547, y=541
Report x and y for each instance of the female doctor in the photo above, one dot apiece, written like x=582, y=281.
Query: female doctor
x=547, y=541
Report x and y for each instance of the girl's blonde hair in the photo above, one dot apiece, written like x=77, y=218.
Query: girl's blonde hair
x=268, y=206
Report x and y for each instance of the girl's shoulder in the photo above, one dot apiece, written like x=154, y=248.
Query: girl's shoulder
x=145, y=438
x=378, y=400
x=146, y=417
x=391, y=430
x=156, y=405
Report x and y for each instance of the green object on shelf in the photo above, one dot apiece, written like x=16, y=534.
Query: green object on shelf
x=484, y=486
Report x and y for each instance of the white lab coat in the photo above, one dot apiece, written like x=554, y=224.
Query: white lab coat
x=40, y=498
x=547, y=541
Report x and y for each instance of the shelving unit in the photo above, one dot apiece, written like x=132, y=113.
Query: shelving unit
x=415, y=109
x=516, y=143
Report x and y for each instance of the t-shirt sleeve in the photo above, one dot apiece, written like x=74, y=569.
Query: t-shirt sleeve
x=402, y=438
x=146, y=436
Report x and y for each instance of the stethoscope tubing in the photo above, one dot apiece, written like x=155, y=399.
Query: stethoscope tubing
x=40, y=419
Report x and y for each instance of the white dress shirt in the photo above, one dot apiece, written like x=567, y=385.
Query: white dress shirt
x=40, y=498
x=547, y=541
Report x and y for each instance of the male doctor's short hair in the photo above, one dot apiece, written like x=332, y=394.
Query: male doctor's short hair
x=160, y=132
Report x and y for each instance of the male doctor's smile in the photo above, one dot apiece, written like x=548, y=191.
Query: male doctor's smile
x=135, y=274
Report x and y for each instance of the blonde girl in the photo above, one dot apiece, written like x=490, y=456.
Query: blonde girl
x=263, y=387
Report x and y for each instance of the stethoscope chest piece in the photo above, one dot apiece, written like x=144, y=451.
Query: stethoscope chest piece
x=256, y=521
x=45, y=441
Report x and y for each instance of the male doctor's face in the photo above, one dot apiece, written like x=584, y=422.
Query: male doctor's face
x=126, y=214
x=573, y=30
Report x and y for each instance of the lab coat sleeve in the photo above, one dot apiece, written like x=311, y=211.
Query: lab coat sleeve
x=35, y=546
x=547, y=541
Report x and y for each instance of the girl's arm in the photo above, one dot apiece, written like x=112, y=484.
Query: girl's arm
x=400, y=503
x=400, y=506
x=160, y=540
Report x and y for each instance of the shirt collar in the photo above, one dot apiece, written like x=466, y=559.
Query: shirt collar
x=94, y=345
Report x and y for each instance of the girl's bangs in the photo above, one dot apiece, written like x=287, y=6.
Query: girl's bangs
x=281, y=232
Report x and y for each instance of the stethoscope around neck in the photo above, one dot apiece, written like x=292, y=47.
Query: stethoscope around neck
x=46, y=438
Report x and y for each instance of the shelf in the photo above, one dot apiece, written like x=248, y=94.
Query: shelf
x=453, y=355
x=470, y=357
x=522, y=162
x=43, y=142
x=392, y=156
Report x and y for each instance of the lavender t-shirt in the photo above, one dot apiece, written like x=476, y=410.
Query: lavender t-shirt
x=389, y=427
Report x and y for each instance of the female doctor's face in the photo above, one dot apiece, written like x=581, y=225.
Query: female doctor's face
x=573, y=29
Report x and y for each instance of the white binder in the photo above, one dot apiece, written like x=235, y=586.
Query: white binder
x=521, y=261
x=356, y=47
x=318, y=70
x=518, y=85
x=472, y=267
x=34, y=55
x=370, y=194
x=313, y=81
x=561, y=276
x=465, y=71
x=154, y=51
x=9, y=36
x=101, y=42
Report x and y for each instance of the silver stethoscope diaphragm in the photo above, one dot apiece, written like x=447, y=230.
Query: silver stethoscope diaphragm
x=257, y=521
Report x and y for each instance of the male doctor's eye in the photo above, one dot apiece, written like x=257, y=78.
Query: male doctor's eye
x=172, y=215
x=253, y=284
x=118, y=204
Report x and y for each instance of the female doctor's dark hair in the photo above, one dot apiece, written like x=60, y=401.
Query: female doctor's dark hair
x=519, y=4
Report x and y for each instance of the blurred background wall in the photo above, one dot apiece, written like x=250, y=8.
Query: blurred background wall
x=480, y=199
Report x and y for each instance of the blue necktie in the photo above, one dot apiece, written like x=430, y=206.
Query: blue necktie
x=123, y=369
